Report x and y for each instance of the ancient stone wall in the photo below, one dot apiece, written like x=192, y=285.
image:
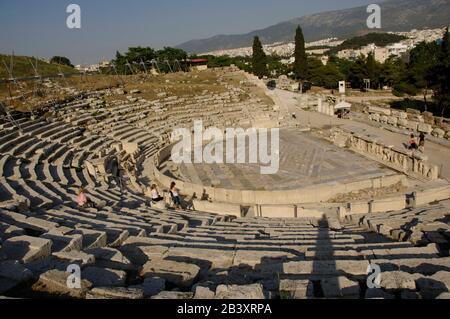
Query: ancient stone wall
x=408, y=162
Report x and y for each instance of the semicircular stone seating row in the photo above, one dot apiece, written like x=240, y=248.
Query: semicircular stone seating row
x=126, y=249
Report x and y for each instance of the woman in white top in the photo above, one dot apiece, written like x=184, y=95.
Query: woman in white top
x=155, y=195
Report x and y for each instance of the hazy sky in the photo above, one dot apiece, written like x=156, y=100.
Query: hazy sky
x=31, y=27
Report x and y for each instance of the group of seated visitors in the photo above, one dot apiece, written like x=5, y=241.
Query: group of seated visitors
x=414, y=145
x=174, y=194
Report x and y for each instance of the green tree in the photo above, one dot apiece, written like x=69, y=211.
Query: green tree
x=392, y=71
x=259, y=60
x=301, y=61
x=442, y=75
x=166, y=58
x=356, y=73
x=372, y=69
x=423, y=59
x=327, y=76
x=61, y=60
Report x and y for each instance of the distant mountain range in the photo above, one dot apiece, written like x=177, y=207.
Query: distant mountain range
x=397, y=15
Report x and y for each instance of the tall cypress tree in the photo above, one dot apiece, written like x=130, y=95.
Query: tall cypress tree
x=259, y=60
x=301, y=64
x=442, y=73
x=371, y=69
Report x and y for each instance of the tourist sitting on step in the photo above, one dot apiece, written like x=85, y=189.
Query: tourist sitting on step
x=155, y=195
x=174, y=194
x=412, y=144
x=83, y=201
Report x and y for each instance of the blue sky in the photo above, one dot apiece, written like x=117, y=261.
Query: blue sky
x=31, y=27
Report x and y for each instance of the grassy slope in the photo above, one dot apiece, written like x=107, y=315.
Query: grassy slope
x=23, y=68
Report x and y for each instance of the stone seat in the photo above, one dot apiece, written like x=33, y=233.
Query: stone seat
x=64, y=242
x=424, y=266
x=8, y=231
x=7, y=146
x=36, y=200
x=91, y=238
x=8, y=136
x=26, y=249
x=23, y=147
x=43, y=130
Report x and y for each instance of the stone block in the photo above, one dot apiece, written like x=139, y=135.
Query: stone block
x=403, y=123
x=412, y=125
x=76, y=257
x=203, y=293
x=115, y=293
x=100, y=277
x=392, y=120
x=26, y=249
x=177, y=273
x=254, y=291
x=340, y=287
x=15, y=271
x=151, y=286
x=425, y=128
x=54, y=282
x=396, y=280
x=174, y=295
x=439, y=133
x=296, y=289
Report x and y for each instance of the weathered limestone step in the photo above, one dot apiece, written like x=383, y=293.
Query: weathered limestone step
x=222, y=258
x=6, y=192
x=23, y=147
x=115, y=293
x=54, y=282
x=15, y=271
x=326, y=267
x=424, y=266
x=8, y=231
x=103, y=277
x=5, y=165
x=340, y=287
x=178, y=273
x=64, y=243
x=8, y=146
x=28, y=223
x=262, y=258
x=431, y=251
x=109, y=257
x=91, y=238
x=8, y=137
x=75, y=257
x=33, y=151
x=333, y=255
x=37, y=194
x=254, y=291
x=26, y=249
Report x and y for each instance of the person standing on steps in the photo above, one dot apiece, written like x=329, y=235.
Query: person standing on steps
x=422, y=142
x=174, y=193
